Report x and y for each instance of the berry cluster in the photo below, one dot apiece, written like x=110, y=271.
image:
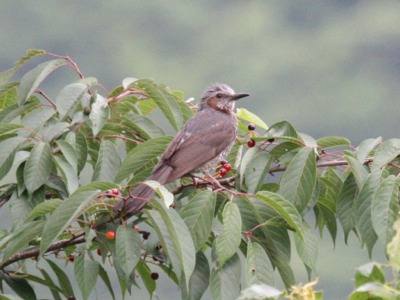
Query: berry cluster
x=251, y=143
x=225, y=168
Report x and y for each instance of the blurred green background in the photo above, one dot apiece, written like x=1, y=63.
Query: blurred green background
x=328, y=67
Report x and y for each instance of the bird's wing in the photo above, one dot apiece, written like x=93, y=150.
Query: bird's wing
x=202, y=139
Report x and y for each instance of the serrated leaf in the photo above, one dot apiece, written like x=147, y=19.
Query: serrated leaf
x=69, y=153
x=248, y=116
x=68, y=172
x=393, y=248
x=62, y=278
x=43, y=208
x=64, y=215
x=35, y=120
x=199, y=280
x=6, y=128
x=198, y=215
x=128, y=246
x=14, y=111
x=99, y=114
x=258, y=266
x=386, y=152
x=108, y=162
x=32, y=79
x=176, y=239
x=20, y=238
x=53, y=130
x=162, y=191
x=142, y=155
x=345, y=204
x=69, y=97
x=256, y=170
x=146, y=127
x=228, y=242
x=78, y=142
x=38, y=166
x=281, y=129
x=8, y=96
x=225, y=281
x=298, y=182
x=385, y=208
x=359, y=170
x=366, y=147
x=307, y=248
x=86, y=271
x=8, y=149
x=19, y=285
x=167, y=102
x=362, y=210
x=333, y=141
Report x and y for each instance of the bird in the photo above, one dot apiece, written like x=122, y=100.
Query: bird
x=205, y=139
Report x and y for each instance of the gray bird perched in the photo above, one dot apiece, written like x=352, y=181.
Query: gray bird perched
x=204, y=140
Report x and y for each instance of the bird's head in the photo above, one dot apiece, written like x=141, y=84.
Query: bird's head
x=220, y=97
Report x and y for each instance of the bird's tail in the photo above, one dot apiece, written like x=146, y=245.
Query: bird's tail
x=140, y=196
x=143, y=193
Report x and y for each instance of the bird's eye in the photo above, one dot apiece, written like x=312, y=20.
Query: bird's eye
x=218, y=95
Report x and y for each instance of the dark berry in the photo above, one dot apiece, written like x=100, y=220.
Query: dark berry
x=223, y=162
x=99, y=251
x=110, y=234
x=154, y=275
x=271, y=140
x=227, y=167
x=251, y=127
x=251, y=143
x=71, y=258
x=223, y=172
x=86, y=110
x=146, y=235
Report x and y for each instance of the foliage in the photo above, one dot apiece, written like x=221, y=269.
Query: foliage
x=199, y=238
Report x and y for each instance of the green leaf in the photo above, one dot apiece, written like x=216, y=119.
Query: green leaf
x=35, y=119
x=225, y=281
x=256, y=170
x=43, y=208
x=97, y=186
x=19, y=285
x=199, y=280
x=393, y=248
x=38, y=166
x=366, y=147
x=8, y=97
x=166, y=101
x=198, y=215
x=8, y=149
x=68, y=172
x=146, y=127
x=333, y=141
x=298, y=182
x=64, y=215
x=32, y=79
x=284, y=208
x=175, y=238
x=282, y=129
x=261, y=291
x=79, y=144
x=307, y=248
x=345, y=204
x=360, y=172
x=142, y=156
x=20, y=239
x=228, y=242
x=6, y=128
x=145, y=274
x=86, y=271
x=363, y=210
x=108, y=162
x=62, y=278
x=248, y=116
x=386, y=152
x=11, y=113
x=69, y=153
x=103, y=275
x=162, y=191
x=128, y=246
x=69, y=98
x=385, y=208
x=99, y=114
x=258, y=266
x=47, y=281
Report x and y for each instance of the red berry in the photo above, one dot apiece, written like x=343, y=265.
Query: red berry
x=223, y=172
x=136, y=228
x=71, y=258
x=227, y=167
x=251, y=127
x=251, y=143
x=223, y=162
x=110, y=234
x=154, y=275
x=99, y=251
x=115, y=192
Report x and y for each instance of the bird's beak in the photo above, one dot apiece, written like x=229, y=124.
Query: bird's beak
x=235, y=97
